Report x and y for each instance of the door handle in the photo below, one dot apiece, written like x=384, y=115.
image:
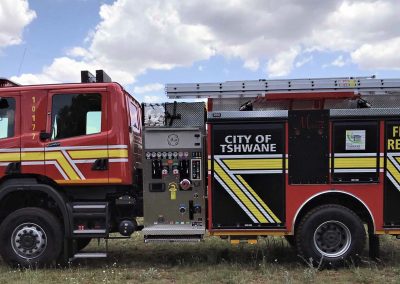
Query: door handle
x=100, y=164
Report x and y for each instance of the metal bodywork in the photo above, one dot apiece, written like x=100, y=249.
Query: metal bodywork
x=174, y=155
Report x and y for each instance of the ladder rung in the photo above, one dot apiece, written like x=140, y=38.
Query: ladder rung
x=90, y=231
x=90, y=255
x=89, y=206
x=89, y=215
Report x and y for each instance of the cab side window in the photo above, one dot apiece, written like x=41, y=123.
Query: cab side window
x=75, y=115
x=135, y=123
x=7, y=117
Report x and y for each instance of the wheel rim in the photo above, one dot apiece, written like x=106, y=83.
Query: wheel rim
x=28, y=240
x=332, y=239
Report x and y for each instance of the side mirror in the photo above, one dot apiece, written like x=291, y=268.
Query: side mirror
x=3, y=103
x=44, y=136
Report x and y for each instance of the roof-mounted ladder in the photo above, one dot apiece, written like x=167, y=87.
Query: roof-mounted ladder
x=256, y=88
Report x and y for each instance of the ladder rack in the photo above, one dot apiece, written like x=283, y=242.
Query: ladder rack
x=7, y=83
x=255, y=88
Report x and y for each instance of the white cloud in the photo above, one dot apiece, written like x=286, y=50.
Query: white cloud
x=337, y=62
x=303, y=61
x=15, y=15
x=252, y=64
x=136, y=36
x=282, y=64
x=155, y=87
x=385, y=54
x=153, y=99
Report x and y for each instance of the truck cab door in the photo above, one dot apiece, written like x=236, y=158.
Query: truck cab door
x=10, y=155
x=33, y=121
x=76, y=149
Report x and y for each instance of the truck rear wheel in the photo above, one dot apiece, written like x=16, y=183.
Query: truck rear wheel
x=331, y=235
x=30, y=237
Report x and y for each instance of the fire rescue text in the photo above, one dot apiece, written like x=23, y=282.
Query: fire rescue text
x=394, y=142
x=248, y=144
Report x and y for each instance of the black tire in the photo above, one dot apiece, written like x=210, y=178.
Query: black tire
x=31, y=237
x=291, y=240
x=374, y=246
x=82, y=243
x=330, y=235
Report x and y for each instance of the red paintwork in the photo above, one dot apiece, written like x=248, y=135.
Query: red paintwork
x=370, y=194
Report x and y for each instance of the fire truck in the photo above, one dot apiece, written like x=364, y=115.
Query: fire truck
x=314, y=160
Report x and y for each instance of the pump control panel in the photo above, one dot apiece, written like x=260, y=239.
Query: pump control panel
x=174, y=175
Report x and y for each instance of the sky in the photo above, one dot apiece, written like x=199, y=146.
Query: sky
x=145, y=44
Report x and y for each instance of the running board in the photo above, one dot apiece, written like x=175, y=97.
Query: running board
x=173, y=230
x=173, y=239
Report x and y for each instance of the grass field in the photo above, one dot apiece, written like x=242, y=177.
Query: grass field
x=212, y=261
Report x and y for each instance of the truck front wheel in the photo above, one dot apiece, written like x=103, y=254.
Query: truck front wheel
x=330, y=235
x=30, y=237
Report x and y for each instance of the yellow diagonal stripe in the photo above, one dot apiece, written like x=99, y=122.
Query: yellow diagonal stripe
x=239, y=193
x=59, y=157
x=355, y=163
x=254, y=164
x=392, y=170
x=248, y=187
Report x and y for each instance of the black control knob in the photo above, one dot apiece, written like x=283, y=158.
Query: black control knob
x=197, y=209
x=182, y=210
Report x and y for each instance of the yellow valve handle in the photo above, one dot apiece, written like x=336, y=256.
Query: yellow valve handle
x=173, y=188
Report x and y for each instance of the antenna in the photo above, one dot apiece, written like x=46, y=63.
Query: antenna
x=22, y=62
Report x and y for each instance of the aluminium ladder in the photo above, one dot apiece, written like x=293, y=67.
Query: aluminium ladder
x=255, y=88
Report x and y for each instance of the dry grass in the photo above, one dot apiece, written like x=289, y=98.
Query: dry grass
x=213, y=261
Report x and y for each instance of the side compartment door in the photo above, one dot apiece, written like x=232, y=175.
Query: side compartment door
x=392, y=175
x=76, y=152
x=308, y=147
x=10, y=156
x=248, y=166
x=355, y=157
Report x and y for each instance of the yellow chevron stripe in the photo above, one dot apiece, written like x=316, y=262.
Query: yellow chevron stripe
x=10, y=157
x=248, y=187
x=392, y=170
x=92, y=154
x=239, y=193
x=97, y=180
x=32, y=156
x=59, y=157
x=254, y=164
x=118, y=153
x=355, y=163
